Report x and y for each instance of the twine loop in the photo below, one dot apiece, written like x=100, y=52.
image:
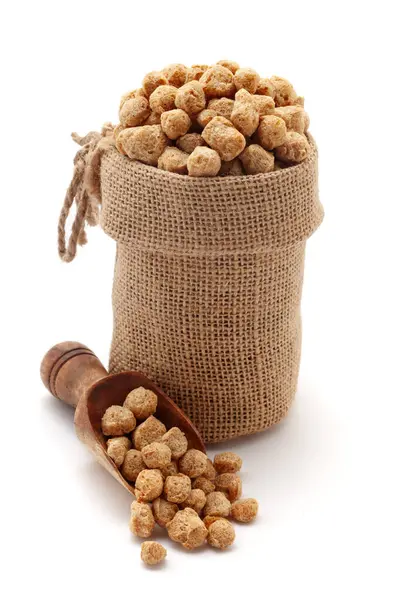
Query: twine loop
x=84, y=190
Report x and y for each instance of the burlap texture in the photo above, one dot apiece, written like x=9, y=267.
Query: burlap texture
x=207, y=286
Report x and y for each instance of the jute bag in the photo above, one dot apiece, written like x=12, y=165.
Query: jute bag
x=207, y=284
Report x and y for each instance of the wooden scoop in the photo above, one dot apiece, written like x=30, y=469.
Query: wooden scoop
x=73, y=374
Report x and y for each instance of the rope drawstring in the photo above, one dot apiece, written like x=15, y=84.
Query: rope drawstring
x=84, y=190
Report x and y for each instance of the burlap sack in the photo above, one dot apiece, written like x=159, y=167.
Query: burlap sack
x=207, y=286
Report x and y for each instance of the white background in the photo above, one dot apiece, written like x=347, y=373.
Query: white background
x=328, y=478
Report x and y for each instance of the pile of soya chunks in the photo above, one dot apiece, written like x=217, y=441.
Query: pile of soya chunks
x=177, y=488
x=205, y=121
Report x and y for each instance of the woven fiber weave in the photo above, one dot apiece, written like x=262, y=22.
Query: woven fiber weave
x=207, y=286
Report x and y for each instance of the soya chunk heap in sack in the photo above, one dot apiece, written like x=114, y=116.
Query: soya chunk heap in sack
x=208, y=331
x=177, y=488
x=213, y=120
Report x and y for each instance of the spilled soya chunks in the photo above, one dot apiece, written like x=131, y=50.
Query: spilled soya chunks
x=219, y=120
x=177, y=488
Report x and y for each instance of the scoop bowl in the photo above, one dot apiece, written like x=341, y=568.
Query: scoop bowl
x=73, y=373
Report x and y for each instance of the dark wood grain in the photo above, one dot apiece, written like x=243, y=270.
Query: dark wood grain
x=73, y=374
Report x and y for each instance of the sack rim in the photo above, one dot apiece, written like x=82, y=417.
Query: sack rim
x=158, y=210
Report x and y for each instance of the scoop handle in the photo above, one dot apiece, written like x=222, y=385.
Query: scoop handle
x=69, y=369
